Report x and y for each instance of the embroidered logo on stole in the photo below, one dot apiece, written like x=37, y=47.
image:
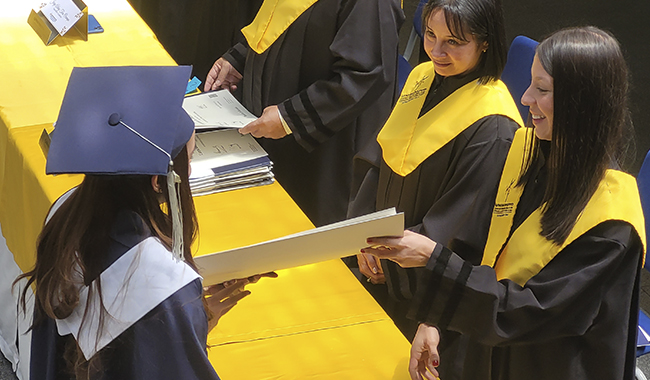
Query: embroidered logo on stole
x=408, y=139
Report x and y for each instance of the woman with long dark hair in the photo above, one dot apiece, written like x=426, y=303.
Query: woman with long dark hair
x=556, y=296
x=117, y=294
x=439, y=156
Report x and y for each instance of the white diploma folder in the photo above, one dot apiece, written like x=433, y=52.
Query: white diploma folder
x=217, y=109
x=328, y=242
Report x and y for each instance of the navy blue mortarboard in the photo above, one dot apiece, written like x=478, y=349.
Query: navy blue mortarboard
x=102, y=110
x=124, y=120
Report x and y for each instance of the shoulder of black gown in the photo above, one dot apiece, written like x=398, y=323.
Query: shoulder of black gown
x=364, y=52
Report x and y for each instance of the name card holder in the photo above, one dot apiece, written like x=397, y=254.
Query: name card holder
x=48, y=33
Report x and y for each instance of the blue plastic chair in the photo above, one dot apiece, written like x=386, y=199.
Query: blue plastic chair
x=643, y=181
x=516, y=73
x=416, y=31
x=403, y=70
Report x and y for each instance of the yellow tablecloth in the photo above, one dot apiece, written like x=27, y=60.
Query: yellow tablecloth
x=312, y=322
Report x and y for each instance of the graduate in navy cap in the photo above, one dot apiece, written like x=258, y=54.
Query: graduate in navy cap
x=117, y=292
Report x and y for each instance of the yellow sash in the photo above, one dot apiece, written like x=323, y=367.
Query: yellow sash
x=527, y=252
x=407, y=139
x=273, y=18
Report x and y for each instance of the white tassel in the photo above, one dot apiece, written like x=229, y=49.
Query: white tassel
x=173, y=181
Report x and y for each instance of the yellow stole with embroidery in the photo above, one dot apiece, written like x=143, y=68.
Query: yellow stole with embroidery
x=273, y=18
x=527, y=252
x=407, y=139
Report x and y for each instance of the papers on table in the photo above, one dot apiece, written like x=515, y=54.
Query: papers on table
x=217, y=109
x=227, y=160
x=319, y=244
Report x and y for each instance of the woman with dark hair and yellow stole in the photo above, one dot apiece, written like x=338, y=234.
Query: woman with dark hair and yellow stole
x=556, y=296
x=439, y=156
x=322, y=77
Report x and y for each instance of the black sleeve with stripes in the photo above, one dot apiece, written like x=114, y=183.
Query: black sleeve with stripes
x=236, y=55
x=365, y=58
x=563, y=299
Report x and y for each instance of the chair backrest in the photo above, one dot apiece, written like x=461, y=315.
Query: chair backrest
x=516, y=73
x=643, y=181
x=403, y=70
x=417, y=17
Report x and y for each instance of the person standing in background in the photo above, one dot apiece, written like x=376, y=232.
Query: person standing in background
x=557, y=293
x=322, y=77
x=439, y=156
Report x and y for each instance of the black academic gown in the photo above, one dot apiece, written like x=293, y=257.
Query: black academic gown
x=169, y=342
x=576, y=319
x=449, y=197
x=333, y=76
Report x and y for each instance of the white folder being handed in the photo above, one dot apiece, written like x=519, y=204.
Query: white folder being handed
x=324, y=243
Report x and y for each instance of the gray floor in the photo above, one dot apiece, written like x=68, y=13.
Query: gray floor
x=5, y=369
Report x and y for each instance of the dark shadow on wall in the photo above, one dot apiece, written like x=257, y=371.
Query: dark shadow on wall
x=197, y=32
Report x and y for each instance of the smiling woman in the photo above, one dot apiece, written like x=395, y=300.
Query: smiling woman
x=439, y=156
x=451, y=53
x=556, y=293
x=539, y=97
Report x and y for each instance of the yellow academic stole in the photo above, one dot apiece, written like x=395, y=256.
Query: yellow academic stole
x=407, y=139
x=527, y=252
x=273, y=18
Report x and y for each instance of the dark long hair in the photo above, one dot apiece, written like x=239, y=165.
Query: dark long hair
x=590, y=119
x=77, y=236
x=482, y=18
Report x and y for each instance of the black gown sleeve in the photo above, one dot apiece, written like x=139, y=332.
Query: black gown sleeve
x=236, y=56
x=459, y=217
x=365, y=179
x=564, y=299
x=364, y=50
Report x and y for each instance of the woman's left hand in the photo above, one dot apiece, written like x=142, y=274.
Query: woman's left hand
x=410, y=250
x=223, y=297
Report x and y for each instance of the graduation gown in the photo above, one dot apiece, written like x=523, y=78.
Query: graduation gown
x=167, y=342
x=332, y=74
x=448, y=197
x=530, y=315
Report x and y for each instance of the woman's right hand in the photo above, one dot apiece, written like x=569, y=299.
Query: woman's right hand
x=370, y=267
x=424, y=353
x=222, y=75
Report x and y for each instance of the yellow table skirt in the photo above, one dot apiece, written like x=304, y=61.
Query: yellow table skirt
x=314, y=321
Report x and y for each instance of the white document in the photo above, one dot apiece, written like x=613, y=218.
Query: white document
x=319, y=244
x=62, y=14
x=222, y=148
x=217, y=109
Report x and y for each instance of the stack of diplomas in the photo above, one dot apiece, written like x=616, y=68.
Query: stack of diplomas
x=224, y=159
x=227, y=160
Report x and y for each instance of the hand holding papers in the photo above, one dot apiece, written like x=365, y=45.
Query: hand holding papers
x=217, y=109
x=319, y=244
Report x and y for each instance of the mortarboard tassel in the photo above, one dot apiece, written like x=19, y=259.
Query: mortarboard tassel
x=174, y=194
x=173, y=180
